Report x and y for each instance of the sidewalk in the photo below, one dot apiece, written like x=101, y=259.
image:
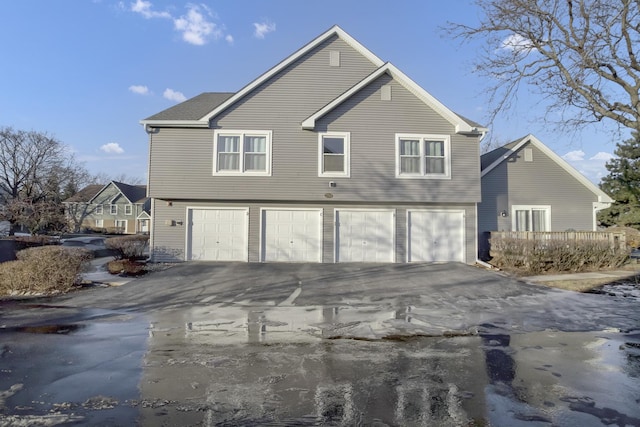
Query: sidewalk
x=98, y=273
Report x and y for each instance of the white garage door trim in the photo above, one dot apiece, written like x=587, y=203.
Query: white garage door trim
x=265, y=255
x=392, y=229
x=245, y=230
x=461, y=242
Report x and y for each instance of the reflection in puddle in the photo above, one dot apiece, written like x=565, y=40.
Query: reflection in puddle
x=273, y=365
x=45, y=329
x=239, y=324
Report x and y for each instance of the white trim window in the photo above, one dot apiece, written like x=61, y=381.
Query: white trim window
x=334, y=154
x=99, y=223
x=98, y=210
x=128, y=210
x=242, y=152
x=121, y=225
x=531, y=217
x=423, y=156
x=113, y=209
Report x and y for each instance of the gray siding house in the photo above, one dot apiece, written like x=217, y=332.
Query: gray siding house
x=528, y=187
x=330, y=156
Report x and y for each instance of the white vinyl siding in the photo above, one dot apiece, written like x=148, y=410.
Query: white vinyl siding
x=242, y=152
x=423, y=156
x=531, y=218
x=333, y=154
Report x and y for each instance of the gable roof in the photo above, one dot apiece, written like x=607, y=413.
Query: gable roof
x=133, y=193
x=85, y=194
x=494, y=158
x=166, y=118
x=461, y=125
x=192, y=109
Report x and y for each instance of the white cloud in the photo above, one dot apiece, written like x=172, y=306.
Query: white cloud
x=517, y=43
x=602, y=156
x=195, y=26
x=263, y=28
x=144, y=8
x=173, y=95
x=139, y=89
x=112, y=148
x=574, y=156
x=592, y=167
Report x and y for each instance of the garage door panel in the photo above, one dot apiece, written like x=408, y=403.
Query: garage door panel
x=365, y=236
x=290, y=235
x=435, y=236
x=217, y=234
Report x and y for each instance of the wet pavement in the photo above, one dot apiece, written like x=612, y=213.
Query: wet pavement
x=211, y=344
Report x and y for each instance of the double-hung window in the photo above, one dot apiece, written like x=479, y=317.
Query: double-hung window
x=333, y=152
x=531, y=218
x=242, y=152
x=113, y=209
x=128, y=209
x=98, y=210
x=423, y=156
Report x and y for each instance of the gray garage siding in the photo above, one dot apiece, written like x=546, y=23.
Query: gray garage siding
x=173, y=237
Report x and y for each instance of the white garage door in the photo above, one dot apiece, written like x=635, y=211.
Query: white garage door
x=435, y=236
x=217, y=234
x=365, y=236
x=292, y=235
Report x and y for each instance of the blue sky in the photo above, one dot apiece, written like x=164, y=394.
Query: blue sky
x=88, y=71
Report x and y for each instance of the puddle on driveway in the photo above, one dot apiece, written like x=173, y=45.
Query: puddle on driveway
x=249, y=366
x=85, y=372
x=227, y=364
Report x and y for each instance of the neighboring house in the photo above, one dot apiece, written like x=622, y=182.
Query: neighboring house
x=330, y=156
x=115, y=207
x=527, y=187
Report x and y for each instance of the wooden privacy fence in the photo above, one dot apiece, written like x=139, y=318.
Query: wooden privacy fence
x=616, y=239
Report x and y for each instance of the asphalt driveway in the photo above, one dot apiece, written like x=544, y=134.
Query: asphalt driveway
x=321, y=344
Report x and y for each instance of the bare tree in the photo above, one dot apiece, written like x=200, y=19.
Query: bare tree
x=580, y=55
x=36, y=173
x=104, y=178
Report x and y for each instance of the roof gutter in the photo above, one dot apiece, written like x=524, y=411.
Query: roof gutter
x=150, y=124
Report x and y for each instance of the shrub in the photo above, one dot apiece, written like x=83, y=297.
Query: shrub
x=128, y=247
x=43, y=270
x=126, y=266
x=539, y=256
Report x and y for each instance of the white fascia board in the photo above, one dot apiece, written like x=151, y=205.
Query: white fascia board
x=460, y=125
x=310, y=122
x=99, y=192
x=602, y=196
x=289, y=60
x=495, y=164
x=174, y=123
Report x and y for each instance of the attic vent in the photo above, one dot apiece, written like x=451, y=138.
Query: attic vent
x=334, y=58
x=528, y=155
x=385, y=92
